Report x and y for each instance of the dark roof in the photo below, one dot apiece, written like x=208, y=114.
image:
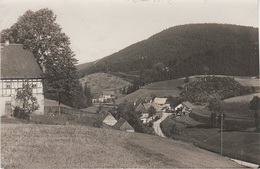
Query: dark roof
x=140, y=108
x=18, y=63
x=108, y=92
x=122, y=124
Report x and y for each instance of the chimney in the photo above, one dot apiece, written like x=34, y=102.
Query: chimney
x=6, y=42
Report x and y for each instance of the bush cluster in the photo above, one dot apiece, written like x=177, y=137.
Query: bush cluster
x=203, y=89
x=20, y=113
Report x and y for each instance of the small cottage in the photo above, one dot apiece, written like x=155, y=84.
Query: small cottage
x=185, y=107
x=110, y=120
x=107, y=95
x=123, y=125
x=143, y=112
x=162, y=102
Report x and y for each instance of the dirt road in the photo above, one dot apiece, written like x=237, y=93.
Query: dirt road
x=156, y=124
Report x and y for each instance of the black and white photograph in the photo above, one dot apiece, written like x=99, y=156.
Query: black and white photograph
x=129, y=84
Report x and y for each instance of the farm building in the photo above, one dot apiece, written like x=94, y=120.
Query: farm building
x=185, y=107
x=18, y=66
x=123, y=125
x=162, y=102
x=110, y=120
x=107, y=95
x=157, y=107
x=143, y=112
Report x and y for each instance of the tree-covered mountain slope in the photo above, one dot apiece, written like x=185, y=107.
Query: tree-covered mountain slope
x=184, y=50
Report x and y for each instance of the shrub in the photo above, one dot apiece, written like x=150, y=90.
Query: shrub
x=97, y=124
x=50, y=120
x=20, y=113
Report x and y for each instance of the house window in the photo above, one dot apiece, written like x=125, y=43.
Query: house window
x=8, y=85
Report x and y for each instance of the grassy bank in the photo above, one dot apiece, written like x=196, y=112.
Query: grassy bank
x=240, y=145
x=56, y=146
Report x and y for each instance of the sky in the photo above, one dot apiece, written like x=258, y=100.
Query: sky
x=98, y=28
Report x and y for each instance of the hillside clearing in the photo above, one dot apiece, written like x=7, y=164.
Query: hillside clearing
x=103, y=81
x=245, y=98
x=47, y=146
x=165, y=85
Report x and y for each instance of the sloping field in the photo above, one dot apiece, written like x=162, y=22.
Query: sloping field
x=160, y=89
x=248, y=81
x=47, y=146
x=243, y=80
x=239, y=145
x=244, y=98
x=103, y=81
x=142, y=93
x=165, y=85
x=169, y=87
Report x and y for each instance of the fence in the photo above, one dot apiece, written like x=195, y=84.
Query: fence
x=54, y=110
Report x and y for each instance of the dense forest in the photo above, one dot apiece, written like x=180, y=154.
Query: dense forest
x=187, y=50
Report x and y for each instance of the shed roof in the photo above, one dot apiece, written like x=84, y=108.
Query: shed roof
x=122, y=124
x=188, y=104
x=18, y=63
x=158, y=100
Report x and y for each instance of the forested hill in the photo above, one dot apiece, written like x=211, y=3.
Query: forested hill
x=184, y=50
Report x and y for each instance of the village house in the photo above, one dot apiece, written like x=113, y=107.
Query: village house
x=110, y=120
x=143, y=109
x=143, y=112
x=123, y=125
x=107, y=95
x=18, y=66
x=95, y=99
x=163, y=102
x=157, y=107
x=142, y=100
x=185, y=107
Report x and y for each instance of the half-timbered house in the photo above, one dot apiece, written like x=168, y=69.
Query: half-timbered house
x=18, y=66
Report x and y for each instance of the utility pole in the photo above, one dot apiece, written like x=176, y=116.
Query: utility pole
x=221, y=134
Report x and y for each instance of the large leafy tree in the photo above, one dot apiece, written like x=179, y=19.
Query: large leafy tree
x=40, y=34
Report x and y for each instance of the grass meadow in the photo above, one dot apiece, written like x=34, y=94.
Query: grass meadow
x=69, y=146
x=240, y=145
